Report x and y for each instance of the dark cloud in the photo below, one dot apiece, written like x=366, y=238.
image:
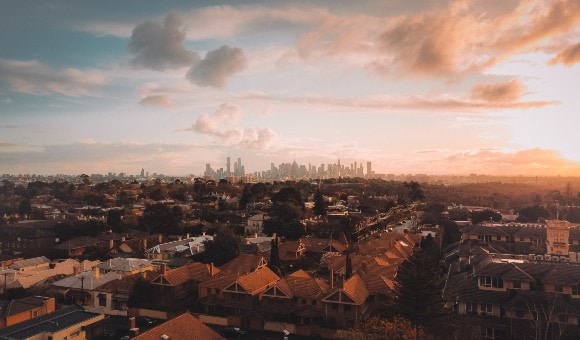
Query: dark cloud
x=160, y=46
x=217, y=67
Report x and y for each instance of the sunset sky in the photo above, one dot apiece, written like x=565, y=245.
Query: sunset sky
x=423, y=86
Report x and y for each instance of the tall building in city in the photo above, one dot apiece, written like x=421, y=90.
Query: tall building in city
x=228, y=167
x=142, y=172
x=369, y=169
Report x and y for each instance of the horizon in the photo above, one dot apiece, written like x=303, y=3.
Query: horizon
x=442, y=88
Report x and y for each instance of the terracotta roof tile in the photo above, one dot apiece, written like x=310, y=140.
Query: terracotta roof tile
x=183, y=327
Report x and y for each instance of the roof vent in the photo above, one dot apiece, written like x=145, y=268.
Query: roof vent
x=165, y=337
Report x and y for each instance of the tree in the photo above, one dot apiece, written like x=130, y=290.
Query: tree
x=25, y=208
x=319, y=204
x=246, y=196
x=274, y=255
x=485, y=216
x=376, y=328
x=160, y=218
x=450, y=230
x=417, y=288
x=348, y=266
x=114, y=219
x=533, y=214
x=414, y=191
x=224, y=247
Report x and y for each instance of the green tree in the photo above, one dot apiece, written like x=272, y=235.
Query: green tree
x=532, y=214
x=25, y=208
x=160, y=218
x=348, y=266
x=319, y=204
x=414, y=191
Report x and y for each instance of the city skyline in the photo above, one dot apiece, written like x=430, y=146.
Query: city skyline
x=433, y=86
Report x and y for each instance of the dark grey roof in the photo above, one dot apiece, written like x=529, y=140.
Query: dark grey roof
x=49, y=323
x=21, y=305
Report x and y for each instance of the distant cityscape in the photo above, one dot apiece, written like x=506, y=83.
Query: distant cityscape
x=290, y=171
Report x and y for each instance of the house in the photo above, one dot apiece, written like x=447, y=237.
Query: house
x=184, y=327
x=188, y=246
x=289, y=251
x=112, y=298
x=508, y=291
x=70, y=322
x=182, y=283
x=81, y=288
x=344, y=306
x=20, y=310
x=244, y=292
x=136, y=246
x=78, y=246
x=125, y=266
x=255, y=224
x=296, y=295
x=31, y=264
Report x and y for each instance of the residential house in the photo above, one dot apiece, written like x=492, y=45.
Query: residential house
x=345, y=305
x=255, y=224
x=20, y=310
x=112, y=298
x=81, y=288
x=126, y=266
x=70, y=322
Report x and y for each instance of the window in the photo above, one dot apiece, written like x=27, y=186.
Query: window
x=559, y=289
x=491, y=281
x=487, y=308
x=520, y=314
x=347, y=308
x=575, y=290
x=470, y=307
x=102, y=300
x=517, y=285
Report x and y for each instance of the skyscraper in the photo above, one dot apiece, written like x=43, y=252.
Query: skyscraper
x=228, y=167
x=369, y=169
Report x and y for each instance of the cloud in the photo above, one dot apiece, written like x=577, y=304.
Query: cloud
x=506, y=92
x=568, y=56
x=431, y=104
x=160, y=46
x=217, y=67
x=34, y=77
x=160, y=100
x=221, y=125
x=6, y=101
x=535, y=161
x=535, y=23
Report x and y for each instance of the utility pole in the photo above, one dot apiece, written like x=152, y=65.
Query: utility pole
x=82, y=290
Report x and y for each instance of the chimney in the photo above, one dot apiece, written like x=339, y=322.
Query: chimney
x=111, y=244
x=145, y=243
x=163, y=268
x=122, y=238
x=96, y=271
x=133, y=330
x=160, y=238
x=211, y=269
x=203, y=233
x=187, y=236
x=256, y=235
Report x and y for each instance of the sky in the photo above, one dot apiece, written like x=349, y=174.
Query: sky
x=424, y=86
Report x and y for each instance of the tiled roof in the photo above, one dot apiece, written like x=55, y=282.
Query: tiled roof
x=183, y=327
x=193, y=271
x=256, y=281
x=29, y=262
x=49, y=323
x=221, y=280
x=89, y=282
x=9, y=308
x=356, y=289
x=126, y=283
x=124, y=264
x=304, y=286
x=78, y=242
x=243, y=264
